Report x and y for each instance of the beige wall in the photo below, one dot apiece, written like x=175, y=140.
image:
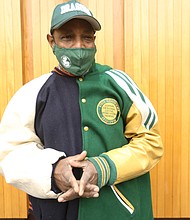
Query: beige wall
x=150, y=40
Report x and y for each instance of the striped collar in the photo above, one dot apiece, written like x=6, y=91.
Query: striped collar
x=62, y=72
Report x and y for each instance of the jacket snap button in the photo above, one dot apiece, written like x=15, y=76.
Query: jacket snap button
x=83, y=100
x=86, y=128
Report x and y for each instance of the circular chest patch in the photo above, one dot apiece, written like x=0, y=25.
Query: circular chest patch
x=108, y=111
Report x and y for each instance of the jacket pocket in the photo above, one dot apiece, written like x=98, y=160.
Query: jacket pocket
x=122, y=199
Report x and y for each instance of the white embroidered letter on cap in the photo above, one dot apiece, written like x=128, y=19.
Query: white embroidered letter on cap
x=75, y=7
x=80, y=7
x=64, y=9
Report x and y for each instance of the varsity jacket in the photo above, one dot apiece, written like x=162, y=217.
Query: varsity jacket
x=104, y=113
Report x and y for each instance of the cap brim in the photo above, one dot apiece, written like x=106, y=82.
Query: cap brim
x=95, y=24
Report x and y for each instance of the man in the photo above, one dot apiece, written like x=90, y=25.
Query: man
x=82, y=139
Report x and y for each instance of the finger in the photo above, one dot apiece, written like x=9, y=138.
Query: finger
x=84, y=182
x=67, y=178
x=67, y=196
x=91, y=191
x=73, y=183
x=82, y=187
x=92, y=188
x=88, y=176
x=79, y=157
x=90, y=195
x=60, y=198
x=77, y=164
x=63, y=175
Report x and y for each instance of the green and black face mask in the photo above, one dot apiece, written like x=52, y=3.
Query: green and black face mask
x=76, y=61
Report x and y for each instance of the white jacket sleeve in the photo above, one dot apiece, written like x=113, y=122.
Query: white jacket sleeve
x=24, y=162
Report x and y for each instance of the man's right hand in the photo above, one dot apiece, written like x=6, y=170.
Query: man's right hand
x=63, y=175
x=66, y=181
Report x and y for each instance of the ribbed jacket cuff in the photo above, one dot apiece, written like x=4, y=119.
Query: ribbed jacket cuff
x=102, y=168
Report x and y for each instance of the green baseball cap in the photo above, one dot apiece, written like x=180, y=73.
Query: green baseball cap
x=72, y=9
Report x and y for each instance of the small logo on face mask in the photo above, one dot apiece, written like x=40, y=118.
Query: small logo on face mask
x=65, y=61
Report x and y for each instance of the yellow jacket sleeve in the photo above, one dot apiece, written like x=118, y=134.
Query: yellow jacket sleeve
x=143, y=151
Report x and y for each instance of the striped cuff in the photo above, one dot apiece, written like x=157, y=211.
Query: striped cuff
x=102, y=168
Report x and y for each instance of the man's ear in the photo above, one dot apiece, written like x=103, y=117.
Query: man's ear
x=50, y=40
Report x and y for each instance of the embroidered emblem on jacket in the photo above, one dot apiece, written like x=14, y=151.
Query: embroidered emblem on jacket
x=108, y=111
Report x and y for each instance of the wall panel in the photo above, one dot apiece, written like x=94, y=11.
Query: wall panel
x=150, y=40
x=177, y=89
x=185, y=119
x=13, y=203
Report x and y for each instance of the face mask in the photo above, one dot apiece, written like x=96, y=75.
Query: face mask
x=76, y=61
